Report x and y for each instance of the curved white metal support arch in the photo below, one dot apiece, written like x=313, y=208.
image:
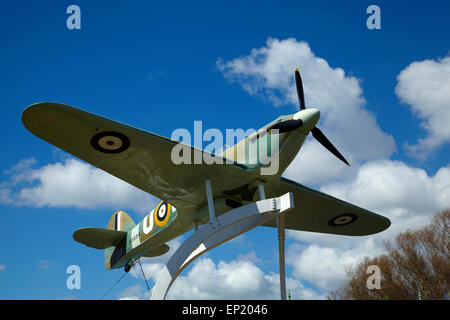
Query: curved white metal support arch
x=229, y=225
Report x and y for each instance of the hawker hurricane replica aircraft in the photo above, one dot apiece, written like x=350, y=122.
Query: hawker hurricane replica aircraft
x=219, y=200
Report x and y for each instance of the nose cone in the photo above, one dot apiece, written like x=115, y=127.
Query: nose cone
x=309, y=117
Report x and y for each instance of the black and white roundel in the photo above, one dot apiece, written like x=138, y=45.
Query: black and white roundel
x=110, y=142
x=343, y=220
x=162, y=214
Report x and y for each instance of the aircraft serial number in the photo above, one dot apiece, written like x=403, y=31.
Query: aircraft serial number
x=246, y=309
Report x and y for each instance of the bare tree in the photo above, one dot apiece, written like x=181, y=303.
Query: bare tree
x=416, y=267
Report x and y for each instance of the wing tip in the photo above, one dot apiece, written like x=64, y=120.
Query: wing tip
x=31, y=112
x=42, y=113
x=384, y=224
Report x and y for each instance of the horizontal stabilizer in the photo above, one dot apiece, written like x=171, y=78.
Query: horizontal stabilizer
x=99, y=238
x=159, y=251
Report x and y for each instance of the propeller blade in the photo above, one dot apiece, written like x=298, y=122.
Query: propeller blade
x=320, y=137
x=287, y=125
x=299, y=84
x=317, y=134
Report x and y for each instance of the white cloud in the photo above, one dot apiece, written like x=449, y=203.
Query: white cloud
x=2, y=267
x=136, y=292
x=46, y=264
x=425, y=86
x=314, y=165
x=153, y=266
x=70, y=183
x=237, y=279
x=268, y=72
x=408, y=196
x=206, y=279
x=325, y=266
x=234, y=280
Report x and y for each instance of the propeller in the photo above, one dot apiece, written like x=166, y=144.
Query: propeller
x=317, y=134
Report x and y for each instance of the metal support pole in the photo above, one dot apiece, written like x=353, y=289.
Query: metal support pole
x=209, y=198
x=262, y=194
x=280, y=225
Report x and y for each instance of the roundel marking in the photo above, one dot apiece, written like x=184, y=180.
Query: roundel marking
x=343, y=220
x=162, y=214
x=110, y=142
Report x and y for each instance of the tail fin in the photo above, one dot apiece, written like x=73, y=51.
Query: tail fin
x=119, y=221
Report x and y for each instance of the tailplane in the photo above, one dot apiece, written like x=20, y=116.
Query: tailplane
x=109, y=239
x=99, y=238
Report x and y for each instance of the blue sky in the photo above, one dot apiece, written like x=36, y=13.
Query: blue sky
x=160, y=66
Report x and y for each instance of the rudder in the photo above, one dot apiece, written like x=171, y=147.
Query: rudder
x=119, y=221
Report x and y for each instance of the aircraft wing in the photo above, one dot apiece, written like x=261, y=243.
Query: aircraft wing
x=318, y=212
x=138, y=157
